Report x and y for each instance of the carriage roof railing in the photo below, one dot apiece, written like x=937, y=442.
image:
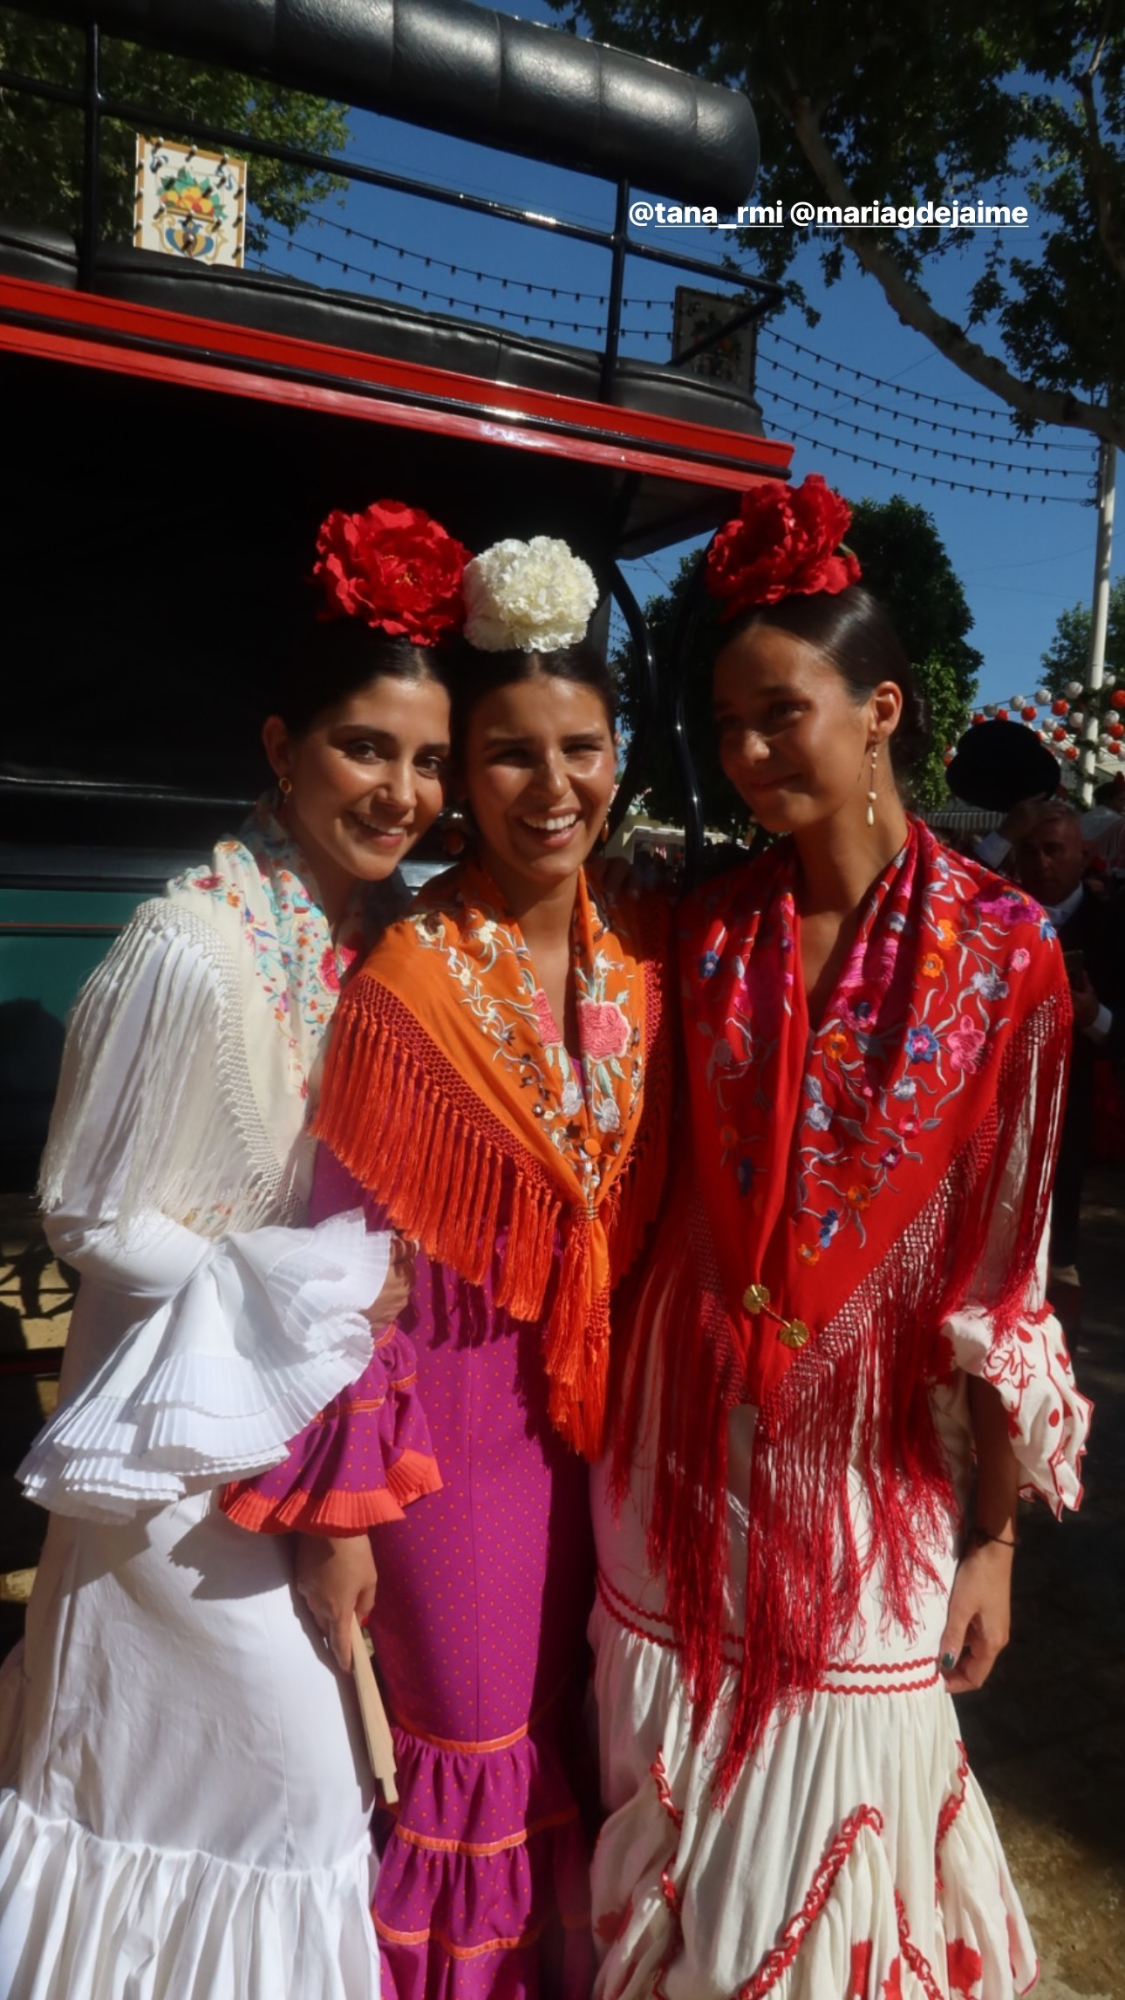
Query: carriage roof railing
x=451, y=66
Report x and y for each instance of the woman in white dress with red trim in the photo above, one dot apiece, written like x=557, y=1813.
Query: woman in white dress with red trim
x=844, y=1309
x=187, y=1798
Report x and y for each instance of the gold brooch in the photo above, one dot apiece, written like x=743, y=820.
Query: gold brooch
x=794, y=1332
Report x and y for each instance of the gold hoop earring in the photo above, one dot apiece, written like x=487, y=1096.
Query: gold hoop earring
x=285, y=786
x=872, y=794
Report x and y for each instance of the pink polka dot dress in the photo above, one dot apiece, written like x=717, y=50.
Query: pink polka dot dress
x=479, y=1634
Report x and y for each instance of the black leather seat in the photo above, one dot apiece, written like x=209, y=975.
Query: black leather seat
x=35, y=250
x=379, y=326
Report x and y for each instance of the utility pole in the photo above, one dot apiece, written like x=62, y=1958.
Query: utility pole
x=1099, y=619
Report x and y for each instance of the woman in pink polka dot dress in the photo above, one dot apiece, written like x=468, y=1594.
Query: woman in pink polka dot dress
x=498, y=1090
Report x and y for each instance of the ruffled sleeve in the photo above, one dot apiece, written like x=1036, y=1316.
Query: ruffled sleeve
x=1048, y=1417
x=359, y=1463
x=215, y=1380
x=368, y=1454
x=1027, y=1362
x=192, y=1357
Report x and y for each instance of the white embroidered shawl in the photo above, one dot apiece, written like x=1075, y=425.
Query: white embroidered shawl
x=228, y=1059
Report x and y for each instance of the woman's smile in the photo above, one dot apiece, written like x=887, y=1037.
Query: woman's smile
x=539, y=764
x=551, y=829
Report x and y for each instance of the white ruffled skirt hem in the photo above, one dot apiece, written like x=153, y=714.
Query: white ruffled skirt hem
x=856, y=1859
x=83, y=1918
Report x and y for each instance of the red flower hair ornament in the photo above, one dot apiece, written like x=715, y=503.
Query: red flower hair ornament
x=783, y=542
x=395, y=568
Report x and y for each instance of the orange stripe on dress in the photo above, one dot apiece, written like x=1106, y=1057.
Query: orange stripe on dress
x=459, y=1950
x=433, y=1843
x=470, y=1749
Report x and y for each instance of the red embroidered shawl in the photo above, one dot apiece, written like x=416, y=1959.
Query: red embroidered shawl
x=837, y=1206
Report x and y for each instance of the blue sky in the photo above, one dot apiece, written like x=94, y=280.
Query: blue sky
x=1020, y=564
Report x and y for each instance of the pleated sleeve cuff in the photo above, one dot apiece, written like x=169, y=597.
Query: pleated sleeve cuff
x=269, y=1329
x=358, y=1464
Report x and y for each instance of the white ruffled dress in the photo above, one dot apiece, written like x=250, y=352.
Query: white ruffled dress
x=856, y=1858
x=186, y=1794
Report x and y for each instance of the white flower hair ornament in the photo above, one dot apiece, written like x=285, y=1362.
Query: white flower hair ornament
x=528, y=597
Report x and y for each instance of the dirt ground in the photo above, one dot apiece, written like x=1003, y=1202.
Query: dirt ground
x=1046, y=1737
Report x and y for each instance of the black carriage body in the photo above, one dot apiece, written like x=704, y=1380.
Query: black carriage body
x=178, y=433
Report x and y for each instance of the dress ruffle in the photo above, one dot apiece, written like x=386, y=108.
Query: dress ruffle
x=82, y=1916
x=268, y=1329
x=1048, y=1418
x=871, y=1863
x=485, y=1856
x=359, y=1463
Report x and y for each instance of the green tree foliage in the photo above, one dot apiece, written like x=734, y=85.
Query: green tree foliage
x=906, y=566
x=1021, y=101
x=1068, y=653
x=41, y=144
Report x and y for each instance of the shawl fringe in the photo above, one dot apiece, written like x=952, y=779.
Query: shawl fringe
x=195, y=1065
x=858, y=1393
x=404, y=1122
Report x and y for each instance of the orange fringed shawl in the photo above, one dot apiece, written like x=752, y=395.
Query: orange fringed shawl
x=450, y=1096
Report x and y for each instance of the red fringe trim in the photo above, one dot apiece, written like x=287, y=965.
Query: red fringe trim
x=333, y=1513
x=859, y=1389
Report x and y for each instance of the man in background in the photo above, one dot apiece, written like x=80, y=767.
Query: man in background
x=1050, y=860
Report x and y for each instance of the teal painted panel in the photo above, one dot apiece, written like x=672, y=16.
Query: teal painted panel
x=51, y=940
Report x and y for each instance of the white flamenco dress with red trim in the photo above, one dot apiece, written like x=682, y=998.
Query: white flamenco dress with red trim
x=855, y=1858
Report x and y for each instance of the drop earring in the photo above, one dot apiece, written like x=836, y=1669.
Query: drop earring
x=454, y=839
x=872, y=794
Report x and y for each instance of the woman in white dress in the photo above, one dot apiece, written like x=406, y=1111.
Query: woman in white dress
x=846, y=1304
x=186, y=1803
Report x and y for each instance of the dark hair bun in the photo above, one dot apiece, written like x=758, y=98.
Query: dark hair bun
x=335, y=657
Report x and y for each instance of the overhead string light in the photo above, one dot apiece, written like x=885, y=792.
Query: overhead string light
x=932, y=424
x=819, y=416
x=427, y=292
x=901, y=389
x=912, y=473
x=918, y=445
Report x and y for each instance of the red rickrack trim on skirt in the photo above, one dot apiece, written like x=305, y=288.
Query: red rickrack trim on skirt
x=876, y=1666
x=915, y=1959
x=891, y=1687
x=668, y=1891
x=608, y=1593
x=659, y=1775
x=949, y=1812
x=796, y=1930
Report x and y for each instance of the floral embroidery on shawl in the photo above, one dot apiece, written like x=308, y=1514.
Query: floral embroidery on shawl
x=837, y=1195
x=451, y=1097
x=488, y=959
x=297, y=963
x=890, y=1059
